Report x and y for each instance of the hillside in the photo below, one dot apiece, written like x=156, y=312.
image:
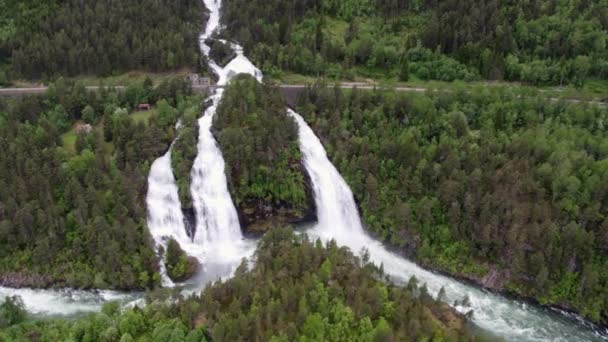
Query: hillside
x=510, y=192
x=72, y=203
x=539, y=42
x=259, y=143
x=46, y=39
x=474, y=157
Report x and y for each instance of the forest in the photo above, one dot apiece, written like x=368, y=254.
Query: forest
x=481, y=183
x=331, y=296
x=541, y=42
x=260, y=146
x=46, y=39
x=72, y=202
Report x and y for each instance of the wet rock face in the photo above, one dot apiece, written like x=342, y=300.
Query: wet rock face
x=258, y=216
x=220, y=52
x=189, y=221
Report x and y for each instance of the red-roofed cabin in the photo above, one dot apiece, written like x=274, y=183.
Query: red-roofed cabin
x=144, y=106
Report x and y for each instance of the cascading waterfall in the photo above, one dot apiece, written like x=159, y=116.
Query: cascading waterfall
x=219, y=248
x=165, y=216
x=338, y=219
x=217, y=243
x=218, y=232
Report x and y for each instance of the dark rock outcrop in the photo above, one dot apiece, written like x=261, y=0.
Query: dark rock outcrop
x=180, y=266
x=258, y=217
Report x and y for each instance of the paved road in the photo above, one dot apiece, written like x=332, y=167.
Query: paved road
x=368, y=86
x=344, y=85
x=38, y=90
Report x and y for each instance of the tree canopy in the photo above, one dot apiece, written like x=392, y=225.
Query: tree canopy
x=478, y=183
x=259, y=142
x=541, y=42
x=44, y=39
x=72, y=201
x=296, y=290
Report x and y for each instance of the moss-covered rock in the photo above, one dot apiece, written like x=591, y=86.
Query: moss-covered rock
x=220, y=52
x=179, y=265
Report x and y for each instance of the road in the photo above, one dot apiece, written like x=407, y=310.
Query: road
x=344, y=85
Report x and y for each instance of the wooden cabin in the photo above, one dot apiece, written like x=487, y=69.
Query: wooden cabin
x=82, y=128
x=144, y=106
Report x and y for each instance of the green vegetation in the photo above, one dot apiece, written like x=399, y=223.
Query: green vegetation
x=541, y=42
x=184, y=152
x=296, y=291
x=180, y=266
x=128, y=78
x=12, y=311
x=44, y=39
x=469, y=182
x=220, y=52
x=68, y=140
x=72, y=206
x=259, y=142
x=143, y=116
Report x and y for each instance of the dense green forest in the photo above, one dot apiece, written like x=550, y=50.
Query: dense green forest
x=72, y=202
x=297, y=290
x=481, y=183
x=184, y=153
x=539, y=41
x=43, y=39
x=259, y=142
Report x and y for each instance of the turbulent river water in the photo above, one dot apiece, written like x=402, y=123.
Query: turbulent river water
x=220, y=246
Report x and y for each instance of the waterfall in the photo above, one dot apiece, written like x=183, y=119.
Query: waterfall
x=217, y=242
x=338, y=219
x=165, y=216
x=218, y=232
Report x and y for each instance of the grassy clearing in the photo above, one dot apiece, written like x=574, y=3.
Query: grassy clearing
x=143, y=116
x=110, y=81
x=128, y=78
x=68, y=140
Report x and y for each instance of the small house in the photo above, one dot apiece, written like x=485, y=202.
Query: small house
x=198, y=81
x=82, y=128
x=144, y=106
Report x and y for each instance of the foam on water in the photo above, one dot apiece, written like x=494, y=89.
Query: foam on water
x=218, y=231
x=65, y=302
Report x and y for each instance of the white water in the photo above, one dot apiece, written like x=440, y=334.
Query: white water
x=218, y=231
x=338, y=219
x=165, y=216
x=65, y=302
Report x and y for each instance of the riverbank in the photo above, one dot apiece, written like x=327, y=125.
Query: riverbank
x=491, y=283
